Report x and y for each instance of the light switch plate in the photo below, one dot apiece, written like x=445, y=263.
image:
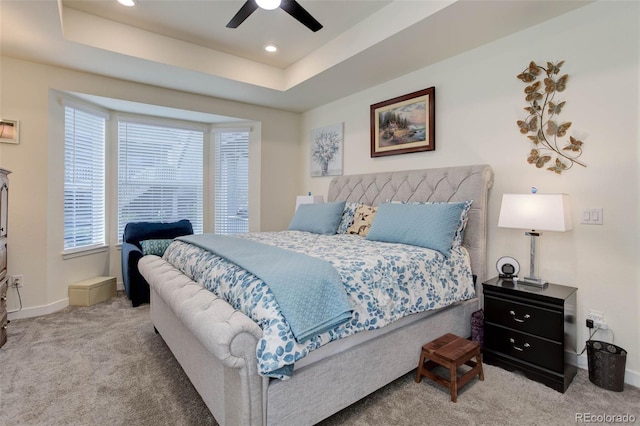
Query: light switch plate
x=592, y=216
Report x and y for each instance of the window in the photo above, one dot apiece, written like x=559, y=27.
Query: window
x=231, y=150
x=160, y=174
x=84, y=179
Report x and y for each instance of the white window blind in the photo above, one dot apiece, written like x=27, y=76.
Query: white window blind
x=84, y=179
x=160, y=174
x=231, y=152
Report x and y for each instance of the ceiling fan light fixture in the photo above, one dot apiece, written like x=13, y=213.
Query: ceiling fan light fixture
x=271, y=48
x=292, y=7
x=128, y=3
x=268, y=4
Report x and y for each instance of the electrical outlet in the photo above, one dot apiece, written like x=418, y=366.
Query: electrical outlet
x=594, y=315
x=597, y=317
x=16, y=280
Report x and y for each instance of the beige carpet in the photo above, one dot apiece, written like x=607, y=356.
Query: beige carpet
x=104, y=365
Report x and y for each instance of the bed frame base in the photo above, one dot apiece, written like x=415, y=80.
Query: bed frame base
x=319, y=390
x=316, y=391
x=225, y=390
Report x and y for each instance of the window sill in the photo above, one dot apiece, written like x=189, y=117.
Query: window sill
x=84, y=251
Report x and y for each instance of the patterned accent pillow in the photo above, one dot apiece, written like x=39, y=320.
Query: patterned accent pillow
x=464, y=218
x=362, y=220
x=347, y=217
x=156, y=247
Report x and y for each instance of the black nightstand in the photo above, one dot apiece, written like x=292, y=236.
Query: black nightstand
x=532, y=330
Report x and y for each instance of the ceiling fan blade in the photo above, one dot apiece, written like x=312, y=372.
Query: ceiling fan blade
x=247, y=9
x=293, y=8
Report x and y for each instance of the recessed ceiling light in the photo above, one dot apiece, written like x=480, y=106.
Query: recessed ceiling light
x=128, y=3
x=268, y=4
x=271, y=48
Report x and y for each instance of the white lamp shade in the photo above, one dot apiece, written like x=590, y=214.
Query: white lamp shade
x=308, y=199
x=539, y=212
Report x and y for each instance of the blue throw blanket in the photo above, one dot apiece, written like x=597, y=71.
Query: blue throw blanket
x=309, y=291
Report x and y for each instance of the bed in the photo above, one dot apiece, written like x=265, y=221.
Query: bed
x=216, y=344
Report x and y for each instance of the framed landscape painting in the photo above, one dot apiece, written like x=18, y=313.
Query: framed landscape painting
x=404, y=124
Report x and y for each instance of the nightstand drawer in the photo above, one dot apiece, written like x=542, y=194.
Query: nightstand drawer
x=530, y=319
x=541, y=352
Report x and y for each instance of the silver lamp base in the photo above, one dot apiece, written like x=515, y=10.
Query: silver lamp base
x=533, y=281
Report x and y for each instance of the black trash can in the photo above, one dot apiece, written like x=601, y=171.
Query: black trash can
x=607, y=363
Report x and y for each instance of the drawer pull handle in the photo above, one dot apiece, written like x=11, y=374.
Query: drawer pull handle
x=3, y=299
x=526, y=317
x=526, y=346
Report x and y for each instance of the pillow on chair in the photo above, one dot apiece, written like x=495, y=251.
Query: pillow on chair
x=156, y=247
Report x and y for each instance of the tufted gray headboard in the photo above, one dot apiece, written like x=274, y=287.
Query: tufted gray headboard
x=441, y=184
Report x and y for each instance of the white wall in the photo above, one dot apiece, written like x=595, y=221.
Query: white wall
x=479, y=99
x=36, y=184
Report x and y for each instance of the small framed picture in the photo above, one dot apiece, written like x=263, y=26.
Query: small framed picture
x=404, y=124
x=326, y=150
x=9, y=131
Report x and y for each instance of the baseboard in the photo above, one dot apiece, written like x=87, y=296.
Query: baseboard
x=37, y=311
x=630, y=377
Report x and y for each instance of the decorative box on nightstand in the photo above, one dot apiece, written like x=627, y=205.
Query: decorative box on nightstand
x=532, y=330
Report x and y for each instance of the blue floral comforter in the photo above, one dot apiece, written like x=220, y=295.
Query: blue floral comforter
x=385, y=282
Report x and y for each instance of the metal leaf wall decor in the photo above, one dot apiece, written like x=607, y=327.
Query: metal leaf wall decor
x=542, y=121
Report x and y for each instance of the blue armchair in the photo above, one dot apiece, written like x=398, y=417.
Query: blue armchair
x=134, y=284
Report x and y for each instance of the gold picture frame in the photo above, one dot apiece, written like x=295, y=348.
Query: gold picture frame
x=9, y=131
x=404, y=124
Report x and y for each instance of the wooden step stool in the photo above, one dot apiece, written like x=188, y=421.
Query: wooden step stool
x=450, y=351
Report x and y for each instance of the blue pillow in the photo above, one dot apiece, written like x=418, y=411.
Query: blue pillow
x=464, y=218
x=320, y=218
x=431, y=226
x=156, y=247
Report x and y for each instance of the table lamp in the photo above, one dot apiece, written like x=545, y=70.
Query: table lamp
x=535, y=212
x=308, y=199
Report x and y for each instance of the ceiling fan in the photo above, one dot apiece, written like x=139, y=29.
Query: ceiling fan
x=292, y=7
